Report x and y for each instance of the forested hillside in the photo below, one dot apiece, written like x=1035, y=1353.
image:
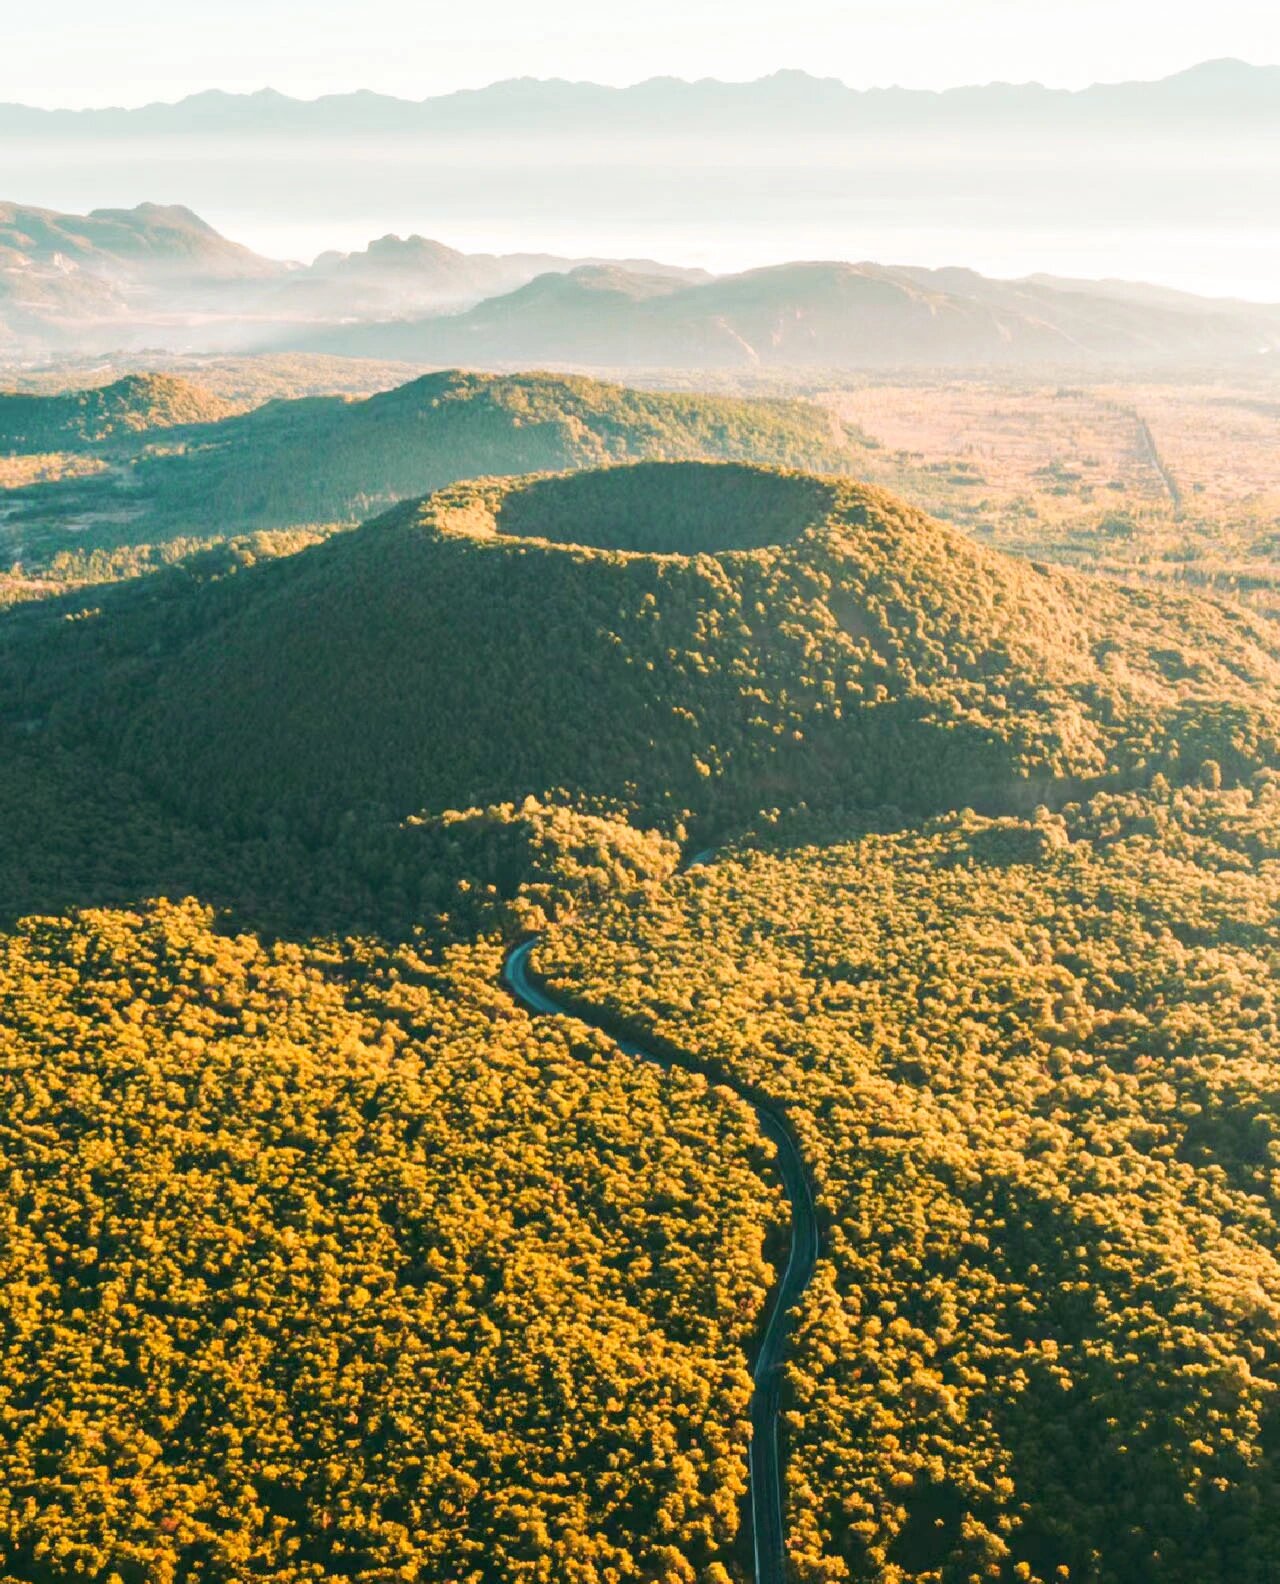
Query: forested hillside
x=815, y=640
x=334, y=460
x=77, y=420
x=1033, y=1067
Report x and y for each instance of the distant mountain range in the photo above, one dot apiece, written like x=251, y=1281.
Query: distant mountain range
x=1225, y=90
x=1176, y=180
x=829, y=315
x=160, y=276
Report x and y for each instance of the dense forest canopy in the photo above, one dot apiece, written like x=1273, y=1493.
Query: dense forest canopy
x=431, y=660
x=306, y=1282
x=323, y=1260
x=668, y=509
x=1033, y=1065
x=81, y=419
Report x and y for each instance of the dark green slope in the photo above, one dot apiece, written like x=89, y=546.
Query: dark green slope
x=332, y=460
x=79, y=420
x=821, y=641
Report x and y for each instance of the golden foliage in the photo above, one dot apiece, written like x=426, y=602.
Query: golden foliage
x=1032, y=1063
x=303, y=1282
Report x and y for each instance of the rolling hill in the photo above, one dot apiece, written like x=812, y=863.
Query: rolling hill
x=737, y=637
x=332, y=460
x=128, y=407
x=828, y=315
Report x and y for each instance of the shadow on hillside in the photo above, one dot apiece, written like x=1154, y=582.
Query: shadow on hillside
x=75, y=836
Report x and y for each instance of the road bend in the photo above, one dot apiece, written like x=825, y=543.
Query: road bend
x=768, y=1512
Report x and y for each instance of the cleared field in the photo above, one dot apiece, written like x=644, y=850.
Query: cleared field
x=1173, y=481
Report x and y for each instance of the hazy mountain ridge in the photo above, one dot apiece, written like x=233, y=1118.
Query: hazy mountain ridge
x=821, y=314
x=148, y=239
x=127, y=277
x=399, y=274
x=1226, y=90
x=159, y=275
x=115, y=277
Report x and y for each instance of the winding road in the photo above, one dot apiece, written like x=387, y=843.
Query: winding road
x=768, y=1524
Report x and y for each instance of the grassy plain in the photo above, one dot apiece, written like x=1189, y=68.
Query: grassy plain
x=1172, y=479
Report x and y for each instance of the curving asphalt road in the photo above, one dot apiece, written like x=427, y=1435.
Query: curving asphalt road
x=768, y=1524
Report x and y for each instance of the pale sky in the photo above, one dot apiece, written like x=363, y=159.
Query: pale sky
x=82, y=52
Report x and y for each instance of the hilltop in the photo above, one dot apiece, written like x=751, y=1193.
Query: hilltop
x=829, y=315
x=332, y=460
x=712, y=638
x=75, y=420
